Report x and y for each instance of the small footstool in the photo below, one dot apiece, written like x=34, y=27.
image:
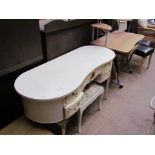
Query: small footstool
x=90, y=95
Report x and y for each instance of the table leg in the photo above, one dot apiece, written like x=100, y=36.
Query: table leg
x=106, y=39
x=128, y=65
x=63, y=125
x=106, y=88
x=117, y=78
x=100, y=100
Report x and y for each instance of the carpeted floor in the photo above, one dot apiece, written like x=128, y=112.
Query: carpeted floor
x=126, y=111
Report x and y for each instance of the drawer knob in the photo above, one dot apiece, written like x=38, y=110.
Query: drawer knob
x=75, y=94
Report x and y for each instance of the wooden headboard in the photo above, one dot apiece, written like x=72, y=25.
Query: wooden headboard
x=60, y=36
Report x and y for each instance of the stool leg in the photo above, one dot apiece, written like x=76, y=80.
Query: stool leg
x=149, y=61
x=141, y=64
x=100, y=101
x=80, y=112
x=106, y=88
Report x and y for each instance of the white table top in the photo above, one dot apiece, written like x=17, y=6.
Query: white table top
x=61, y=76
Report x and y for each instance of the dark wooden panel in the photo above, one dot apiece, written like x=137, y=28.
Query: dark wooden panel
x=20, y=50
x=20, y=44
x=10, y=102
x=64, y=36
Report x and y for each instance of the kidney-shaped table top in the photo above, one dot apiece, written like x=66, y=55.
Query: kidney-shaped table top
x=61, y=76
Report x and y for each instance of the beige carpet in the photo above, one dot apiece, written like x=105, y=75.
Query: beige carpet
x=126, y=111
x=23, y=126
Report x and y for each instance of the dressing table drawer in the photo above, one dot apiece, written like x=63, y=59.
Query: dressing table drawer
x=73, y=107
x=106, y=71
x=72, y=96
x=98, y=71
x=92, y=76
x=107, y=67
x=106, y=75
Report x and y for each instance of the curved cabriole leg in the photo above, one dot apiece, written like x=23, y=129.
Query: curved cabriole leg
x=63, y=125
x=100, y=100
x=106, y=88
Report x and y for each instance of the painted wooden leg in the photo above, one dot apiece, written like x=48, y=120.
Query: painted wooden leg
x=149, y=61
x=80, y=112
x=100, y=100
x=106, y=88
x=63, y=125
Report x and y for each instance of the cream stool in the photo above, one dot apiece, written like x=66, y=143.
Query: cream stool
x=90, y=95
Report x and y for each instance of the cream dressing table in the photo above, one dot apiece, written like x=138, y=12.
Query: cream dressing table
x=53, y=92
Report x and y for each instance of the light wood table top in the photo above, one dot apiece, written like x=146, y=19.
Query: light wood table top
x=120, y=41
x=102, y=26
x=151, y=26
